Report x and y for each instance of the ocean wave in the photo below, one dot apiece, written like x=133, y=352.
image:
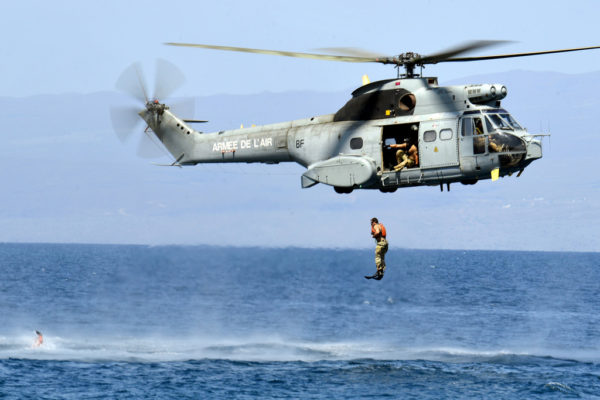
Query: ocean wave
x=559, y=387
x=266, y=349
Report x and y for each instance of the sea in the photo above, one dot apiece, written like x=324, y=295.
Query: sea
x=201, y=322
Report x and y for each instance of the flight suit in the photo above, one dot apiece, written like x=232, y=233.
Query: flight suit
x=403, y=160
x=380, y=249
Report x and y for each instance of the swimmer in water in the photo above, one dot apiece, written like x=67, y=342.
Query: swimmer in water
x=39, y=340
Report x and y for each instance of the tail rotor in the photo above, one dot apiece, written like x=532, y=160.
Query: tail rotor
x=126, y=119
x=132, y=82
x=168, y=79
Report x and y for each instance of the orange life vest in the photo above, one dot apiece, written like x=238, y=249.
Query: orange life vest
x=381, y=228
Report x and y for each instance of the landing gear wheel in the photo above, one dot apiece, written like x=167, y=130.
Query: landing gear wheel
x=343, y=190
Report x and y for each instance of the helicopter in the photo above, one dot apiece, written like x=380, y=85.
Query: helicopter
x=455, y=133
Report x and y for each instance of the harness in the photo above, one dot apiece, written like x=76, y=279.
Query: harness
x=381, y=228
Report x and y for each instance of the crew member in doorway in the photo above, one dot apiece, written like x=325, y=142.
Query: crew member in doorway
x=405, y=158
x=39, y=340
x=379, y=234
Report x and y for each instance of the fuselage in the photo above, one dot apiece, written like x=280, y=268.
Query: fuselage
x=460, y=132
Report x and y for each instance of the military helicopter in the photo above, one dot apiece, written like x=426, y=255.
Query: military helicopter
x=456, y=133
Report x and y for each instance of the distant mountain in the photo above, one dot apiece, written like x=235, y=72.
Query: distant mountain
x=53, y=114
x=534, y=96
x=66, y=178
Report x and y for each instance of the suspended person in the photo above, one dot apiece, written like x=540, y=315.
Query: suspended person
x=379, y=234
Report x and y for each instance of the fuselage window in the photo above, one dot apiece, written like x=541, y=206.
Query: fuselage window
x=356, y=143
x=429, y=136
x=446, y=134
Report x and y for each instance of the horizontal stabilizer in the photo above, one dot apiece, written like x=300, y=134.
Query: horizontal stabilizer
x=308, y=182
x=168, y=165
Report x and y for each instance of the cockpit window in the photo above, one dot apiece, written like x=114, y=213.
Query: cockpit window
x=488, y=125
x=499, y=122
x=467, y=127
x=511, y=121
x=504, y=121
x=477, y=126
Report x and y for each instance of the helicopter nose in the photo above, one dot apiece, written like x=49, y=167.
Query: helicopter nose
x=534, y=150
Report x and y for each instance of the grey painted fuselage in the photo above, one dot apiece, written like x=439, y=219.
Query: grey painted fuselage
x=351, y=149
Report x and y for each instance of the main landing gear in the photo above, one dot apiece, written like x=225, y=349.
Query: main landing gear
x=343, y=190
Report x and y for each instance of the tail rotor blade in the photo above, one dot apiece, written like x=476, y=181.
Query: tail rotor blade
x=132, y=82
x=125, y=121
x=149, y=146
x=168, y=79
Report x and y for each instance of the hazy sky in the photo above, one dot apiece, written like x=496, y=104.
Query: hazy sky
x=74, y=182
x=80, y=46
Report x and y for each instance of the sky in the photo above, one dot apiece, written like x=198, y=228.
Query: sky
x=68, y=179
x=82, y=47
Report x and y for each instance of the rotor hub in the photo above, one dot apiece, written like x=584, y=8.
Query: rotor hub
x=408, y=58
x=156, y=107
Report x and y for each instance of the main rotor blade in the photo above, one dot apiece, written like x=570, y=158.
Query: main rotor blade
x=132, y=82
x=460, y=49
x=168, y=79
x=328, y=57
x=352, y=52
x=125, y=121
x=535, y=53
